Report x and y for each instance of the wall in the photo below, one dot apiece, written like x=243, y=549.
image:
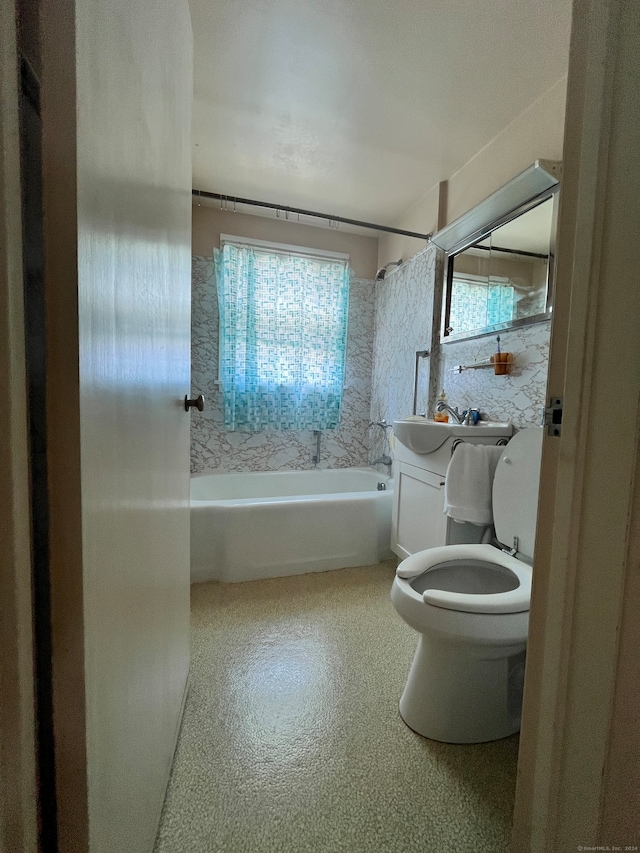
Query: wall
x=518, y=396
x=215, y=449
x=408, y=305
x=535, y=134
x=405, y=319
x=209, y=222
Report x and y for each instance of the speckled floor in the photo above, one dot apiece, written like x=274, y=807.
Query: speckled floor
x=292, y=742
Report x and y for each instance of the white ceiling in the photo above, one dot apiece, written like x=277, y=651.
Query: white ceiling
x=358, y=107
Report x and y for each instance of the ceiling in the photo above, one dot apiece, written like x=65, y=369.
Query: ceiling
x=359, y=107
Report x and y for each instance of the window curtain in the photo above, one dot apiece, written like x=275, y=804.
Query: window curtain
x=283, y=338
x=475, y=305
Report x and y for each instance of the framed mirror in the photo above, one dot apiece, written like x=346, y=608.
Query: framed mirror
x=501, y=275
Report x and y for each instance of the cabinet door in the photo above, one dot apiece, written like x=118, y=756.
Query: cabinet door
x=418, y=519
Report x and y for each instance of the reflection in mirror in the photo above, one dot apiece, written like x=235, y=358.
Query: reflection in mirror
x=503, y=279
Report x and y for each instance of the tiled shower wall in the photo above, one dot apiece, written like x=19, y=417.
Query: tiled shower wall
x=518, y=396
x=213, y=449
x=408, y=304
x=380, y=374
x=404, y=324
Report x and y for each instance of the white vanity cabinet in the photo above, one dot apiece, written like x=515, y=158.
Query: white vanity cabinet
x=418, y=520
x=418, y=500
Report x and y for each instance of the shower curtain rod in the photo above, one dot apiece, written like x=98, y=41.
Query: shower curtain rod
x=300, y=211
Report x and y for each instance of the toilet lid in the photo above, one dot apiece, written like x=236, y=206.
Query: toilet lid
x=515, y=491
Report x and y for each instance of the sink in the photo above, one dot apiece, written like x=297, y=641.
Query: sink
x=424, y=436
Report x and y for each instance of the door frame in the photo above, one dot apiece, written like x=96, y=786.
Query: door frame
x=579, y=748
x=18, y=776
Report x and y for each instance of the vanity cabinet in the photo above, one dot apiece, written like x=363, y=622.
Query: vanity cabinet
x=418, y=518
x=418, y=500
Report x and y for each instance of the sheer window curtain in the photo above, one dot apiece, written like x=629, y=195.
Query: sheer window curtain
x=476, y=304
x=283, y=339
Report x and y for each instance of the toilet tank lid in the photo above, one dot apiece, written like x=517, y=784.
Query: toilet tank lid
x=515, y=491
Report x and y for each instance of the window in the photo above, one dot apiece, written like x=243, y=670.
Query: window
x=283, y=334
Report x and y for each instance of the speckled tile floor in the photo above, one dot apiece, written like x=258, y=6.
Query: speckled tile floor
x=292, y=741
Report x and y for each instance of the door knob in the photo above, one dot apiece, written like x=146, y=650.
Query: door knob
x=198, y=403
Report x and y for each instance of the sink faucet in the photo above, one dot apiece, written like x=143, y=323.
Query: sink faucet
x=441, y=406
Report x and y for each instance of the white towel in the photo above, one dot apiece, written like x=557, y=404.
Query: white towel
x=469, y=482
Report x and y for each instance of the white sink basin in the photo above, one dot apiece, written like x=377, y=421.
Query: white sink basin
x=424, y=436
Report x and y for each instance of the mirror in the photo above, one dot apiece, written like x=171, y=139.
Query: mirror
x=504, y=278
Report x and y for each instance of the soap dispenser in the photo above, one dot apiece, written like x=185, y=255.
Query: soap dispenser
x=441, y=417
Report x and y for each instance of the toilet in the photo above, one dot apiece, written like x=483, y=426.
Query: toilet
x=470, y=607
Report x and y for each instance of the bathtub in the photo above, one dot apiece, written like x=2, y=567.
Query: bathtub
x=250, y=526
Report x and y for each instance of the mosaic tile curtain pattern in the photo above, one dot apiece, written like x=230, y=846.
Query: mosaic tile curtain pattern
x=215, y=449
x=283, y=332
x=474, y=305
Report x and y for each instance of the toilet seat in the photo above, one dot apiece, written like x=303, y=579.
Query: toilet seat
x=513, y=601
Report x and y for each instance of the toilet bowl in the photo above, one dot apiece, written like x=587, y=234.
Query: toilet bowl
x=470, y=606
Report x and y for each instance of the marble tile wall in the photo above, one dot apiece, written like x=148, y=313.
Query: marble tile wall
x=518, y=396
x=407, y=308
x=213, y=449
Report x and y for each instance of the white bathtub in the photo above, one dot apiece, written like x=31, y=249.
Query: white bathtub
x=250, y=526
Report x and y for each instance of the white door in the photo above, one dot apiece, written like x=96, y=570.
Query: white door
x=580, y=741
x=117, y=85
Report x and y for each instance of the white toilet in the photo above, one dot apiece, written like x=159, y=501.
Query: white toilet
x=470, y=605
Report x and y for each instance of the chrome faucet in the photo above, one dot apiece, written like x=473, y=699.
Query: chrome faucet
x=384, y=460
x=441, y=406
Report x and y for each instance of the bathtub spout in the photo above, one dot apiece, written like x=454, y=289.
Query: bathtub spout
x=384, y=460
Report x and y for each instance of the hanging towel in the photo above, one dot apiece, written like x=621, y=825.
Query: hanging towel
x=469, y=483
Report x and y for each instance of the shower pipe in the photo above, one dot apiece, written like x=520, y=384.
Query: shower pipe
x=301, y=212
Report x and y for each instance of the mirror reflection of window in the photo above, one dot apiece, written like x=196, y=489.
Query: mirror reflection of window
x=504, y=277
x=477, y=302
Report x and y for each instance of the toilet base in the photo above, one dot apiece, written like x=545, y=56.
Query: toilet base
x=457, y=694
